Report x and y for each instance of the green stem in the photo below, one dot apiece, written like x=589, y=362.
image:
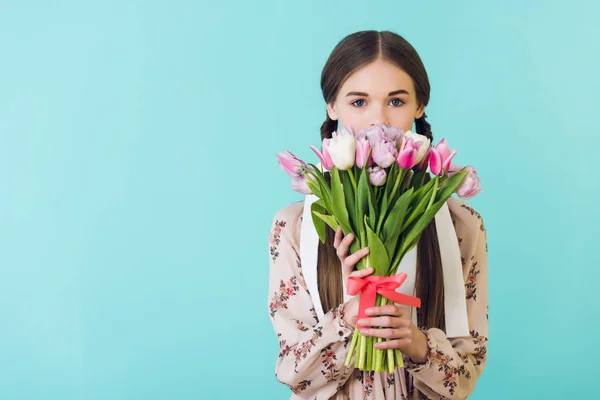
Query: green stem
x=398, y=180
x=351, y=175
x=363, y=354
x=399, y=360
x=435, y=189
x=352, y=347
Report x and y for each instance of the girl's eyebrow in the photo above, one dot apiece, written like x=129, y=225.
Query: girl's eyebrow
x=401, y=91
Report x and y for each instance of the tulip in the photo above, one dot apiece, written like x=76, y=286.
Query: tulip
x=384, y=153
x=362, y=151
x=454, y=168
x=299, y=185
x=373, y=134
x=421, y=142
x=377, y=176
x=470, y=184
x=325, y=157
x=346, y=130
x=342, y=149
x=408, y=154
x=445, y=154
x=291, y=164
x=382, y=132
x=441, y=158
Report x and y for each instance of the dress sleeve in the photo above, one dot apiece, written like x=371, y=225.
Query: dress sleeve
x=312, y=352
x=453, y=365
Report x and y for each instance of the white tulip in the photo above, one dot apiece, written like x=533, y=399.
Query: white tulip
x=342, y=149
x=425, y=144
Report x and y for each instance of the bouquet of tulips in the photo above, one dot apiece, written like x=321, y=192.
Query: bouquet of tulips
x=377, y=191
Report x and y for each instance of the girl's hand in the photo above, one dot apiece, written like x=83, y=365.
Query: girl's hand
x=351, y=307
x=397, y=326
x=342, y=246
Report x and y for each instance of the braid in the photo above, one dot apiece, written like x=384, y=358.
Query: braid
x=423, y=127
x=328, y=127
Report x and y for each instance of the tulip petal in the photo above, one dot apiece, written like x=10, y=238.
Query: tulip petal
x=435, y=162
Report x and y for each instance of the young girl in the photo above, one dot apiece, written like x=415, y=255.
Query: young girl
x=376, y=78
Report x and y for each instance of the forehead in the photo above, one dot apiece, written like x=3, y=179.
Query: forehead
x=378, y=79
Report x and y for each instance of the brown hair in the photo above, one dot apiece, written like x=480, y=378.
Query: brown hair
x=353, y=52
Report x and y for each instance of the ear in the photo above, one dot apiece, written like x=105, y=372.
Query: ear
x=420, y=112
x=331, y=112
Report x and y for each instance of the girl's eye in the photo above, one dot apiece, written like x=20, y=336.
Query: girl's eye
x=400, y=102
x=355, y=101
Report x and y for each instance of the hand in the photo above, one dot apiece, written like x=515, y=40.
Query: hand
x=397, y=326
x=342, y=246
x=351, y=307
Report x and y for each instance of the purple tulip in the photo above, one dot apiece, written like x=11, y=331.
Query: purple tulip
x=299, y=185
x=377, y=176
x=384, y=153
x=381, y=132
x=470, y=184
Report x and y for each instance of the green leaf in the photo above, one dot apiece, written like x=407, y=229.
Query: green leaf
x=419, y=209
x=322, y=219
x=324, y=187
x=415, y=231
x=377, y=257
x=392, y=226
x=350, y=199
x=422, y=191
x=314, y=187
x=362, y=206
x=338, y=202
x=319, y=219
x=450, y=186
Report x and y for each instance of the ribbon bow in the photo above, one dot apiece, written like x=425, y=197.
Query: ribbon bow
x=384, y=285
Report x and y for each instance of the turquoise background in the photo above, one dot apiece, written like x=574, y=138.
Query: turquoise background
x=139, y=181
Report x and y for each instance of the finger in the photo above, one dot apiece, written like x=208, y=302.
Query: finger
x=338, y=237
x=385, y=321
x=389, y=309
x=387, y=333
x=394, y=344
x=361, y=273
x=352, y=259
x=344, y=245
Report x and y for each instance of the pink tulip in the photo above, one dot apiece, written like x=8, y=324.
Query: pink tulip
x=441, y=158
x=325, y=157
x=384, y=153
x=362, y=150
x=408, y=154
x=470, y=184
x=377, y=176
x=291, y=164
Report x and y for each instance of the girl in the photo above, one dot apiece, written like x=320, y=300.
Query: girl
x=373, y=78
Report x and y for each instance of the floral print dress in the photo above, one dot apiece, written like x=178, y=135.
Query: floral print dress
x=312, y=351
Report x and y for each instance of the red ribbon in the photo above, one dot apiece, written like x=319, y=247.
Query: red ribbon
x=384, y=285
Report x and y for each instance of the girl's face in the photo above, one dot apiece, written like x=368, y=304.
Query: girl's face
x=378, y=93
